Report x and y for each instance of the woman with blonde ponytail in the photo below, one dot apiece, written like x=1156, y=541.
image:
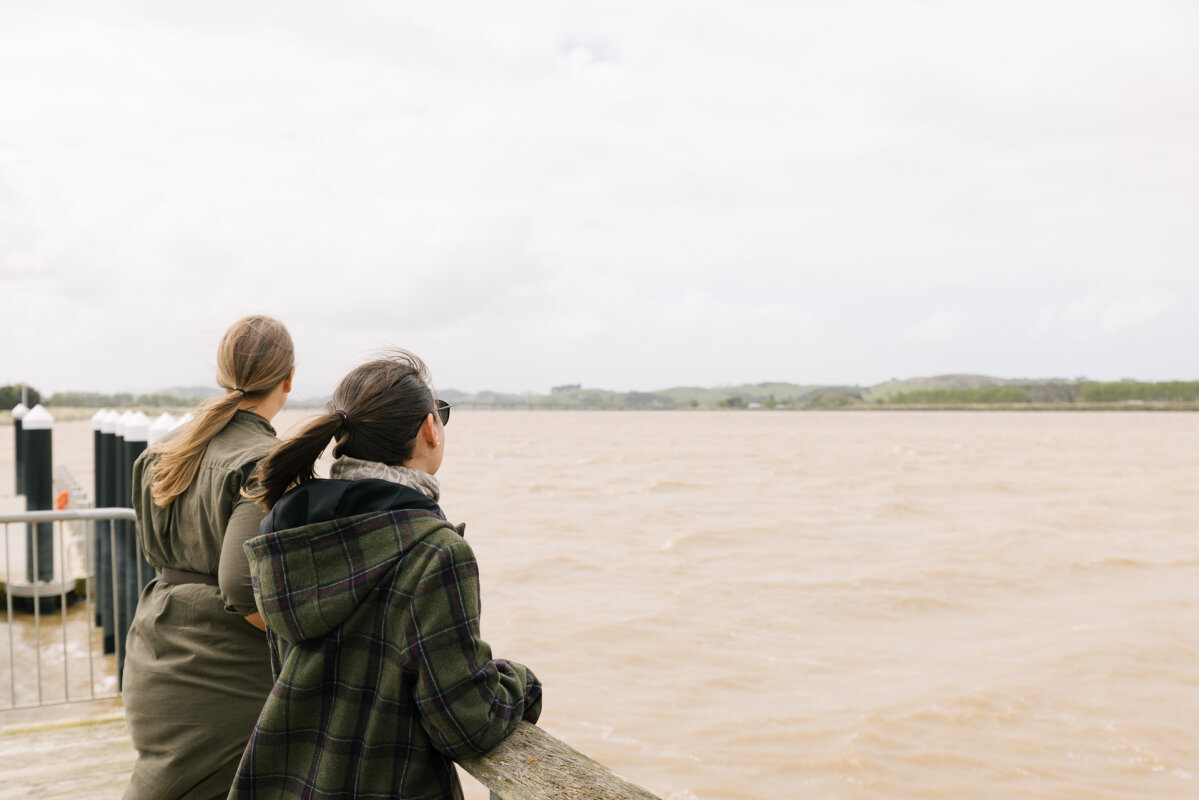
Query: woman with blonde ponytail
x=197, y=667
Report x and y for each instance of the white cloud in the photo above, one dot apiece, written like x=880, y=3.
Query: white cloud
x=1122, y=316
x=939, y=328
x=545, y=178
x=1096, y=317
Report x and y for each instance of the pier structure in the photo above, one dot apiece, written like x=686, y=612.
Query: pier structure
x=72, y=742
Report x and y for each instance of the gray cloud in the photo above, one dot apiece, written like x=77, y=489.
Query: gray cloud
x=635, y=196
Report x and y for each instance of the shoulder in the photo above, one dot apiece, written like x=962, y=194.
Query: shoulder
x=444, y=536
x=245, y=441
x=440, y=546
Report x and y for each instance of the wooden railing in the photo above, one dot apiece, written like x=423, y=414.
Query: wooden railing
x=529, y=764
x=533, y=765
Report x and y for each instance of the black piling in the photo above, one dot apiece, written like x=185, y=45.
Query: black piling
x=134, y=571
x=120, y=540
x=18, y=415
x=37, y=449
x=99, y=528
x=105, y=531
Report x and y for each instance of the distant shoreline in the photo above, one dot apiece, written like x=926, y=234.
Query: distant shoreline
x=955, y=392
x=75, y=414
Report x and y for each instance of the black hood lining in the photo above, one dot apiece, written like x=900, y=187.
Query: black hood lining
x=323, y=500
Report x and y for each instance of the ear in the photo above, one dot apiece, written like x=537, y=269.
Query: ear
x=429, y=429
x=287, y=381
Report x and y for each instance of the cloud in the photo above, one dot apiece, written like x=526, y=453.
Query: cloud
x=1096, y=317
x=595, y=189
x=939, y=328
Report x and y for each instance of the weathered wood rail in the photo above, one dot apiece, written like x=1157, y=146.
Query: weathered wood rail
x=79, y=747
x=534, y=765
x=83, y=750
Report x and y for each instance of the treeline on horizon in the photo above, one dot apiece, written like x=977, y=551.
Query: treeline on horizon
x=10, y=396
x=936, y=392
x=1087, y=393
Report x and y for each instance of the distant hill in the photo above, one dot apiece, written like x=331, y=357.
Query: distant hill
x=895, y=386
x=190, y=392
x=953, y=390
x=789, y=395
x=938, y=391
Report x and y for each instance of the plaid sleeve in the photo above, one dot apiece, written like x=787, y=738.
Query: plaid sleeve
x=468, y=701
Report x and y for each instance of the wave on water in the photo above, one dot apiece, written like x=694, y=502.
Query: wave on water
x=913, y=602
x=681, y=794
x=564, y=565
x=1111, y=562
x=608, y=733
x=895, y=508
x=672, y=486
x=690, y=538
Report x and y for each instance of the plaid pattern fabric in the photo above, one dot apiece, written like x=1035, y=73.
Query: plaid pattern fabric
x=382, y=677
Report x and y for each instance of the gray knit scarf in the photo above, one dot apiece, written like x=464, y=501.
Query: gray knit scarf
x=346, y=468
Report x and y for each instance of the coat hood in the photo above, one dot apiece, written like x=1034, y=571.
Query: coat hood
x=327, y=544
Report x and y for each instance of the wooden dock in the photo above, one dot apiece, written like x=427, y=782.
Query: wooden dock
x=82, y=750
x=66, y=752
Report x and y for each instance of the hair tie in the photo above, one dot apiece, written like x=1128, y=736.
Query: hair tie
x=344, y=416
x=239, y=389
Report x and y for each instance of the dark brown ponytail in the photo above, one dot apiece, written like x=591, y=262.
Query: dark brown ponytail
x=374, y=416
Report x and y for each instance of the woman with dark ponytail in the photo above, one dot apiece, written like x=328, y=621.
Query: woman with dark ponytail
x=196, y=675
x=371, y=600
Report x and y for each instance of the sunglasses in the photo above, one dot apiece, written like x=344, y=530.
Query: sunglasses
x=443, y=411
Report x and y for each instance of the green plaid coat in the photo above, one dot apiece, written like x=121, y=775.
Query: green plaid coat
x=381, y=675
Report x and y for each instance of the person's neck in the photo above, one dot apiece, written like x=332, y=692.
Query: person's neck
x=417, y=462
x=266, y=407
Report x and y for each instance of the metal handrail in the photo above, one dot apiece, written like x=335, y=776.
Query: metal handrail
x=52, y=516
x=70, y=515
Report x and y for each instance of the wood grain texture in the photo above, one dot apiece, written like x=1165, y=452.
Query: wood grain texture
x=534, y=765
x=66, y=761
x=91, y=756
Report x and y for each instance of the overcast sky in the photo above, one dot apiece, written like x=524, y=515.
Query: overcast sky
x=627, y=195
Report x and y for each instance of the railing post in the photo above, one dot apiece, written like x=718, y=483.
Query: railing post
x=18, y=415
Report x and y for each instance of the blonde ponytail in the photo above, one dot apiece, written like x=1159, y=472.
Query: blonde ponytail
x=255, y=356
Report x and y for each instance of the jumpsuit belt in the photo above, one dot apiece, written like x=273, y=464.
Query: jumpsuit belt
x=178, y=576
